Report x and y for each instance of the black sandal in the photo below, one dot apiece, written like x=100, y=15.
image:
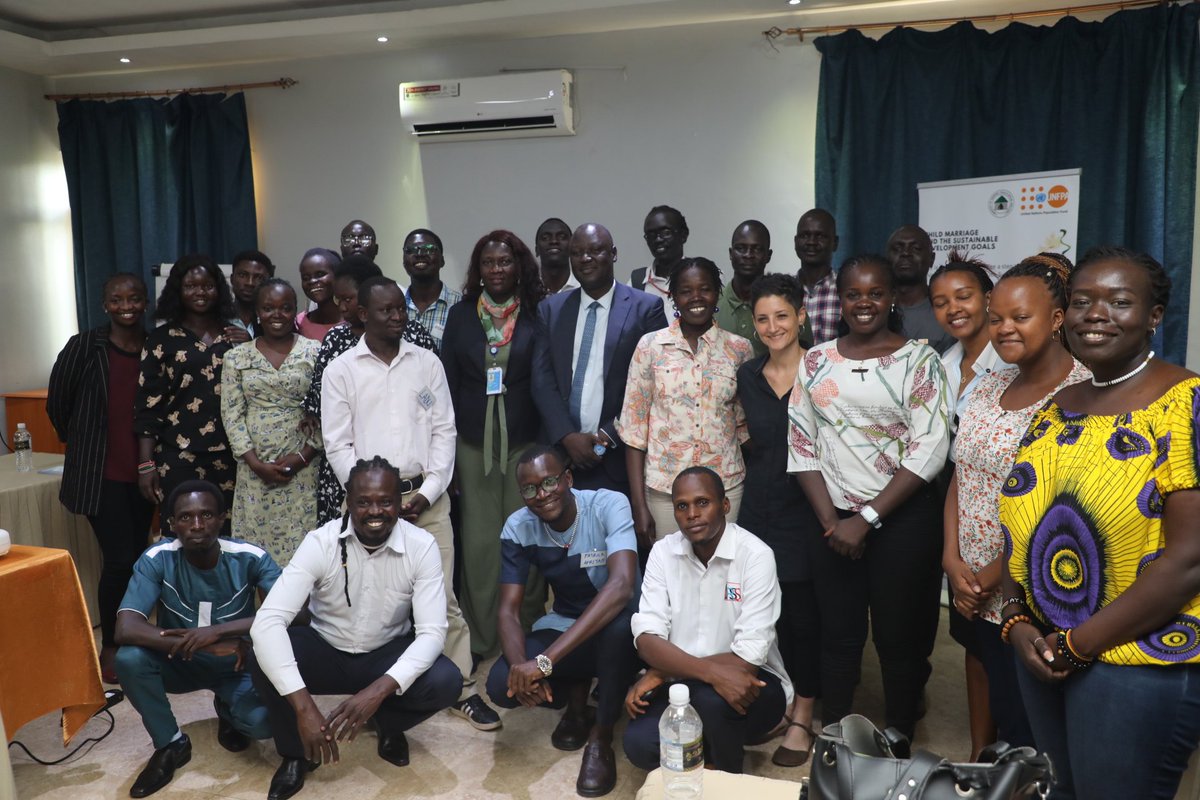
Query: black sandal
x=787, y=757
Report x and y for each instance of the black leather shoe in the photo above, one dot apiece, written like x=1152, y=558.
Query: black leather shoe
x=289, y=778
x=598, y=771
x=572, y=731
x=160, y=769
x=393, y=748
x=230, y=737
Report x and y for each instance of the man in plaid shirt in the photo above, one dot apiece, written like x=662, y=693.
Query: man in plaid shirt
x=816, y=240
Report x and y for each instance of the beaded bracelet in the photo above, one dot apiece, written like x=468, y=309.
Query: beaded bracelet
x=146, y=467
x=1070, y=653
x=1012, y=601
x=1011, y=622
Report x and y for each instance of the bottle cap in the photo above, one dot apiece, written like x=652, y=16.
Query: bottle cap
x=680, y=694
x=20, y=426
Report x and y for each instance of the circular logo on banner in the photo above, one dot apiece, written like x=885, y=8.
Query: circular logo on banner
x=1000, y=203
x=1057, y=196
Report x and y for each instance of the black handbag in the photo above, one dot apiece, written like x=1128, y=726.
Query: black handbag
x=854, y=760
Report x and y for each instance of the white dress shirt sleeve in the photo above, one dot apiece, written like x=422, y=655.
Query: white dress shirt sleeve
x=337, y=417
x=654, y=610
x=429, y=615
x=272, y=645
x=754, y=630
x=443, y=435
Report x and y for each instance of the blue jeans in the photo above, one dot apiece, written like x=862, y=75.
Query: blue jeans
x=1114, y=732
x=147, y=676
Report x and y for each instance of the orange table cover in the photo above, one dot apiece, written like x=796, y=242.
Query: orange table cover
x=47, y=651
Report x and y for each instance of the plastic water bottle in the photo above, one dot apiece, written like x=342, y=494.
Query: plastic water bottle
x=23, y=445
x=681, y=747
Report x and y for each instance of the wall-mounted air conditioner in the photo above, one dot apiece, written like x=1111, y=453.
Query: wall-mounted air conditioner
x=494, y=107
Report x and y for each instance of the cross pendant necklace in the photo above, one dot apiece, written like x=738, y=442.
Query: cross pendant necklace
x=861, y=372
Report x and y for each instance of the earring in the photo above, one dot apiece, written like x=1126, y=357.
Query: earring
x=1154, y=330
x=716, y=309
x=677, y=313
x=1054, y=334
x=893, y=308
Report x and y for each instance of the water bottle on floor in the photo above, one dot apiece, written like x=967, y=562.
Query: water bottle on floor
x=681, y=747
x=23, y=446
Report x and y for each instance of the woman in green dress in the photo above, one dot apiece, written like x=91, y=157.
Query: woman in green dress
x=487, y=350
x=263, y=383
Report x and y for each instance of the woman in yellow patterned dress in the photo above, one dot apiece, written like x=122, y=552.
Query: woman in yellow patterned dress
x=1102, y=587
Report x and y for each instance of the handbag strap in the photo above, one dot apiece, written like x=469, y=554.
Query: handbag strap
x=911, y=785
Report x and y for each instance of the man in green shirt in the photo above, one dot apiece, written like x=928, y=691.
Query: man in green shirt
x=749, y=253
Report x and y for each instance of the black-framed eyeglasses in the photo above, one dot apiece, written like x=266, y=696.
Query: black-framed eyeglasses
x=358, y=238
x=547, y=485
x=421, y=249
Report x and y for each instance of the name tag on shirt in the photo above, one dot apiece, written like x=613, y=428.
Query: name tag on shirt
x=495, y=380
x=733, y=592
x=593, y=558
x=425, y=398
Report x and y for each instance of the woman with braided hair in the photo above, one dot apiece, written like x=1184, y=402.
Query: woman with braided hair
x=1025, y=317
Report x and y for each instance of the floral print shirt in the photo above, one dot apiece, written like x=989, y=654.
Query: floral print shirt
x=857, y=422
x=179, y=391
x=988, y=436
x=682, y=407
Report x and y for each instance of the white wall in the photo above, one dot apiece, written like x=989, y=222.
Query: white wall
x=707, y=118
x=37, y=291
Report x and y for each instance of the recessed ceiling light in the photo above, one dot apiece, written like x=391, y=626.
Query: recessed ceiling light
x=793, y=2
x=381, y=39
x=124, y=60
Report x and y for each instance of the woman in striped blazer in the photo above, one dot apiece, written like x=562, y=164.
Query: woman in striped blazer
x=90, y=403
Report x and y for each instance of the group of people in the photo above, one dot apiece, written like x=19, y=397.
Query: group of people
x=722, y=484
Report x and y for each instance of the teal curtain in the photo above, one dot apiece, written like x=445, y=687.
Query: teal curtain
x=150, y=180
x=1119, y=98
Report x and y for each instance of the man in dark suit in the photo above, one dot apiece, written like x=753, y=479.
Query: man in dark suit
x=585, y=342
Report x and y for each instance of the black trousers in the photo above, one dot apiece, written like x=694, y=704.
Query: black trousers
x=122, y=528
x=798, y=631
x=609, y=656
x=898, y=583
x=327, y=670
x=725, y=730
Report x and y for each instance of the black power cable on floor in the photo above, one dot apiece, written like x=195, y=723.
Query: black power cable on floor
x=111, y=698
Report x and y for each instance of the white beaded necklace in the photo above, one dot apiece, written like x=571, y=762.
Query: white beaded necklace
x=1126, y=376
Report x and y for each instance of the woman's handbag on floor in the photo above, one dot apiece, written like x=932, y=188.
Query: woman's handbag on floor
x=854, y=760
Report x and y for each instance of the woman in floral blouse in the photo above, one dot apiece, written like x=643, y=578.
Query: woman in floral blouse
x=869, y=431
x=681, y=408
x=177, y=414
x=1025, y=317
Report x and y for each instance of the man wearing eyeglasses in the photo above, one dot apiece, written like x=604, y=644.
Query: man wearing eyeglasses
x=583, y=544
x=665, y=231
x=428, y=297
x=359, y=237
x=749, y=253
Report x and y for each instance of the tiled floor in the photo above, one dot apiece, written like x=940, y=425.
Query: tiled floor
x=449, y=758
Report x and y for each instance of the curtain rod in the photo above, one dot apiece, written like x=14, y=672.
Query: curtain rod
x=282, y=83
x=800, y=33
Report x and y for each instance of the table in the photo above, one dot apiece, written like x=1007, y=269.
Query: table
x=47, y=650
x=727, y=786
x=30, y=408
x=31, y=512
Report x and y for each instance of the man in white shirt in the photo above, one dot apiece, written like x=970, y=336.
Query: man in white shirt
x=707, y=616
x=550, y=246
x=387, y=396
x=362, y=577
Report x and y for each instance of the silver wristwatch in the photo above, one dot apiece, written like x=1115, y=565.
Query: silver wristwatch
x=544, y=664
x=870, y=515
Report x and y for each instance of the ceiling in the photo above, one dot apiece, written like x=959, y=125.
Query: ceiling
x=82, y=37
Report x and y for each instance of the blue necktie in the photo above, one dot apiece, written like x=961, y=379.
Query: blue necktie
x=581, y=363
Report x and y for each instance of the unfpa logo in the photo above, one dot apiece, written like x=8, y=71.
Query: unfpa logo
x=1035, y=198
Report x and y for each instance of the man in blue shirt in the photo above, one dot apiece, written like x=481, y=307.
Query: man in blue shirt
x=583, y=544
x=202, y=588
